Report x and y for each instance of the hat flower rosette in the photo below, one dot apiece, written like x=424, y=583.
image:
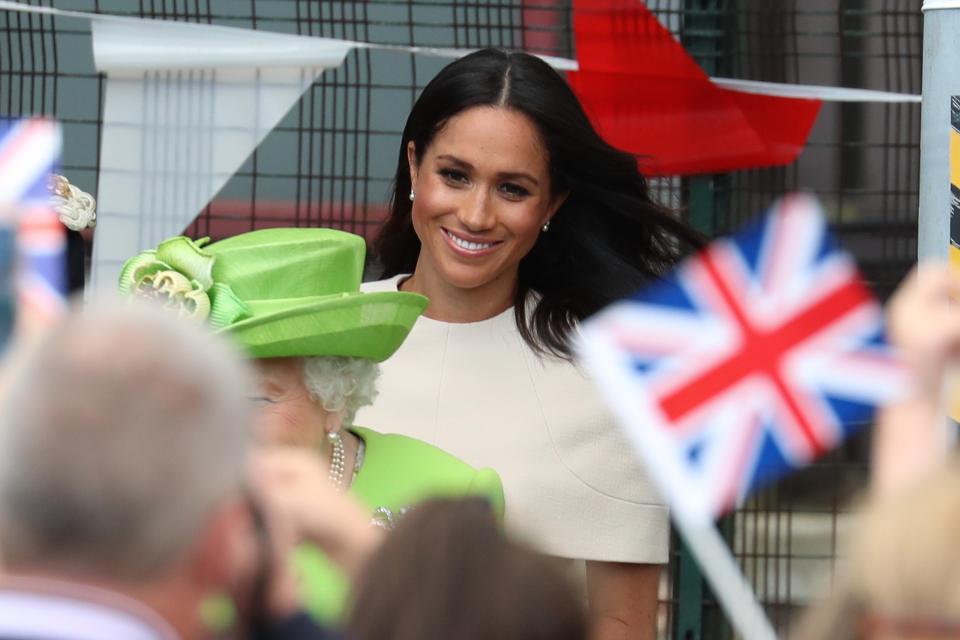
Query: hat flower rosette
x=278, y=292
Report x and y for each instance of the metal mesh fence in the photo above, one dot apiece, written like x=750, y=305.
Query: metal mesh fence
x=330, y=162
x=862, y=160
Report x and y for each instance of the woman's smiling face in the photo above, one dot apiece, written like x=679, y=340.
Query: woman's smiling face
x=482, y=195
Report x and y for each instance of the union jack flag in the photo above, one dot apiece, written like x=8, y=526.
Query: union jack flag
x=29, y=153
x=748, y=361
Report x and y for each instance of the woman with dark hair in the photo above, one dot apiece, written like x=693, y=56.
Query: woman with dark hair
x=517, y=221
x=448, y=571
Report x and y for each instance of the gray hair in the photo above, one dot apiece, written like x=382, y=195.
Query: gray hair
x=341, y=383
x=121, y=436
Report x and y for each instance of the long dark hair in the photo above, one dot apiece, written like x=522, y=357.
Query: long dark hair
x=606, y=239
x=448, y=571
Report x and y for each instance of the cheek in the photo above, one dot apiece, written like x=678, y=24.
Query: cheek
x=523, y=223
x=433, y=199
x=285, y=425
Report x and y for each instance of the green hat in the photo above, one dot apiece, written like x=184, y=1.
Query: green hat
x=279, y=292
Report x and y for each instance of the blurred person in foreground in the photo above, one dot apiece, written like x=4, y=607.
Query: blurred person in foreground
x=901, y=576
x=124, y=460
x=449, y=571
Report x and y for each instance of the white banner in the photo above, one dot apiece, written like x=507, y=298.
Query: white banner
x=185, y=106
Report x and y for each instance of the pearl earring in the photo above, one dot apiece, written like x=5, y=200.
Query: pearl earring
x=546, y=226
x=412, y=194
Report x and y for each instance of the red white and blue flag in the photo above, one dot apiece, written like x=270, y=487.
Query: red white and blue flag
x=747, y=362
x=29, y=155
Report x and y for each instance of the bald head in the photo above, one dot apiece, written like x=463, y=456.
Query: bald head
x=120, y=436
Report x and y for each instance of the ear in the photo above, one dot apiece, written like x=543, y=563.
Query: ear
x=412, y=162
x=334, y=423
x=555, y=203
x=225, y=552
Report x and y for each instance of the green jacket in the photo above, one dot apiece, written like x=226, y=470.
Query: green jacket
x=397, y=473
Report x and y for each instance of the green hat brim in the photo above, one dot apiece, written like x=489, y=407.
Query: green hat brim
x=359, y=325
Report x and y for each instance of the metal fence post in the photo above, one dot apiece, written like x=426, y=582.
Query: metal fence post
x=702, y=35
x=941, y=25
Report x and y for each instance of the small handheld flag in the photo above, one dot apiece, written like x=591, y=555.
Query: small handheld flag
x=29, y=153
x=750, y=360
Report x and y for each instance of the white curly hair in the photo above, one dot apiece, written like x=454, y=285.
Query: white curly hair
x=341, y=383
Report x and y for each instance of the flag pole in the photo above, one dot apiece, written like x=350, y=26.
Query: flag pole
x=725, y=578
x=709, y=549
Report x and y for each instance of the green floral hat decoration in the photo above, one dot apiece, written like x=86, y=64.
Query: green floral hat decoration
x=278, y=292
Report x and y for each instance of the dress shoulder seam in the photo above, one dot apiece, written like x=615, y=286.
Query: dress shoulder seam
x=553, y=445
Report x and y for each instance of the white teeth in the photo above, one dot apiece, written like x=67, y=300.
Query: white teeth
x=469, y=246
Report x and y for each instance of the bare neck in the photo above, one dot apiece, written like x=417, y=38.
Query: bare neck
x=178, y=603
x=449, y=303
x=351, y=447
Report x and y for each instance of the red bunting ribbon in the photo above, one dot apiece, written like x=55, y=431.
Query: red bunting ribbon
x=646, y=95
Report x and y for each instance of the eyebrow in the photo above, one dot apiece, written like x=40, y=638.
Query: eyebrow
x=509, y=175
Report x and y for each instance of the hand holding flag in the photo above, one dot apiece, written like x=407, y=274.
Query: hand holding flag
x=913, y=437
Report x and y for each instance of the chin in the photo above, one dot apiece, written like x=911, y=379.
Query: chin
x=467, y=277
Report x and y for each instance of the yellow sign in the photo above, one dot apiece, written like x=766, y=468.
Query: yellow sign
x=955, y=220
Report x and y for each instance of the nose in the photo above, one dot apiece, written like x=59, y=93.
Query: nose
x=476, y=214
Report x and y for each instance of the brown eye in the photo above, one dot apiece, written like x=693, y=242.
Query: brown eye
x=453, y=176
x=514, y=191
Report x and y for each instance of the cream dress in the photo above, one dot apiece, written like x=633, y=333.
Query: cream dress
x=573, y=487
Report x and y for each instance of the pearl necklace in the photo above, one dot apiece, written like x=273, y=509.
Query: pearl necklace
x=337, y=460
